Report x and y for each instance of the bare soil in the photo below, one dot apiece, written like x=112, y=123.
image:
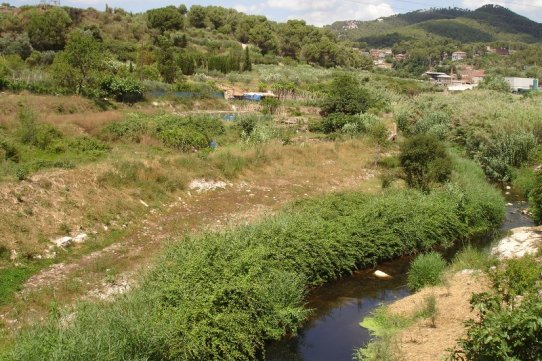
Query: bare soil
x=421, y=341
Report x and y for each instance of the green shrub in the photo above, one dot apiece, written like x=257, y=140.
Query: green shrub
x=516, y=277
x=123, y=89
x=347, y=96
x=425, y=160
x=337, y=122
x=535, y=198
x=270, y=105
x=426, y=270
x=8, y=151
x=130, y=129
x=509, y=327
x=183, y=139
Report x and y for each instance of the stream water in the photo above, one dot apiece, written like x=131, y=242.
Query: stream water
x=333, y=332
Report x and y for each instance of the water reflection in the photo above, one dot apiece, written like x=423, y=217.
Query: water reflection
x=333, y=332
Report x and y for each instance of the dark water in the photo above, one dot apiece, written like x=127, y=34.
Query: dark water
x=333, y=333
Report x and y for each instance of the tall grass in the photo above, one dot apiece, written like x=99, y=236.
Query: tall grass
x=221, y=295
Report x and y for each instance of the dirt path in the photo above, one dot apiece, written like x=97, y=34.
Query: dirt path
x=115, y=268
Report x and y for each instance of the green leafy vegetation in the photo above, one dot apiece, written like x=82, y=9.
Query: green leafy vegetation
x=425, y=160
x=426, y=270
x=509, y=326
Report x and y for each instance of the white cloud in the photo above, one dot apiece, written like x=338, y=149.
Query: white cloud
x=322, y=12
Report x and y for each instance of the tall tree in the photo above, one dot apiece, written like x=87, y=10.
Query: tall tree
x=247, y=64
x=48, y=30
x=168, y=18
x=76, y=65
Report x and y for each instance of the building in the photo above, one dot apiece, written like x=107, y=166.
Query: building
x=471, y=76
x=502, y=51
x=400, y=57
x=439, y=78
x=458, y=55
x=522, y=84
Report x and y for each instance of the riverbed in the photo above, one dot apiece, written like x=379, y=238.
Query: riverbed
x=333, y=332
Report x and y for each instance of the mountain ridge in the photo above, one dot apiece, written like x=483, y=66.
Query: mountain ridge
x=489, y=23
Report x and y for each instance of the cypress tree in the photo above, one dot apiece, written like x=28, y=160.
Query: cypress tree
x=247, y=66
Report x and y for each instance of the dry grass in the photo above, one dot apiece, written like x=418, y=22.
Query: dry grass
x=137, y=234
x=424, y=342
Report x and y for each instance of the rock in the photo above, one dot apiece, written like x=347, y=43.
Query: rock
x=80, y=238
x=63, y=241
x=509, y=204
x=13, y=255
x=508, y=187
x=523, y=241
x=145, y=204
x=381, y=275
x=202, y=185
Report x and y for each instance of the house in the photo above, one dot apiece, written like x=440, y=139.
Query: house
x=502, y=51
x=522, y=84
x=471, y=76
x=458, y=55
x=375, y=54
x=444, y=79
x=400, y=57
x=381, y=54
x=439, y=78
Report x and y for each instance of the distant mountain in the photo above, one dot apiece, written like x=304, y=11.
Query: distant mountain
x=487, y=24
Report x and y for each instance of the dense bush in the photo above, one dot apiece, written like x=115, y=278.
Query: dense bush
x=184, y=133
x=338, y=121
x=509, y=327
x=123, y=89
x=535, y=198
x=426, y=270
x=346, y=96
x=221, y=295
x=425, y=160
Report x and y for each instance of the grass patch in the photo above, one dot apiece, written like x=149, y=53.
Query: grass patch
x=13, y=278
x=426, y=270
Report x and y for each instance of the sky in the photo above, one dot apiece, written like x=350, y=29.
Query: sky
x=316, y=12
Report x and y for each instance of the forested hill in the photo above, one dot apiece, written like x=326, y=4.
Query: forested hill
x=490, y=23
x=209, y=37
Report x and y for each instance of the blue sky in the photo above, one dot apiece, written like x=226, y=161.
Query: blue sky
x=317, y=12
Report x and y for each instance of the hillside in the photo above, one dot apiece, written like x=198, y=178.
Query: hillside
x=490, y=23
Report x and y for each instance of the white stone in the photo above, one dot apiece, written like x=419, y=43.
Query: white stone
x=80, y=238
x=63, y=241
x=381, y=275
x=202, y=185
x=522, y=242
x=142, y=202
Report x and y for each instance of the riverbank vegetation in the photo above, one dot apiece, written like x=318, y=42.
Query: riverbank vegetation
x=221, y=295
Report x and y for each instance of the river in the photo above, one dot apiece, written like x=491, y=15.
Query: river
x=333, y=332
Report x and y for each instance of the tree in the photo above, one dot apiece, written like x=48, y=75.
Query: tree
x=264, y=37
x=346, y=96
x=247, y=64
x=168, y=18
x=19, y=44
x=166, y=61
x=48, y=30
x=75, y=66
x=197, y=17
x=425, y=161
